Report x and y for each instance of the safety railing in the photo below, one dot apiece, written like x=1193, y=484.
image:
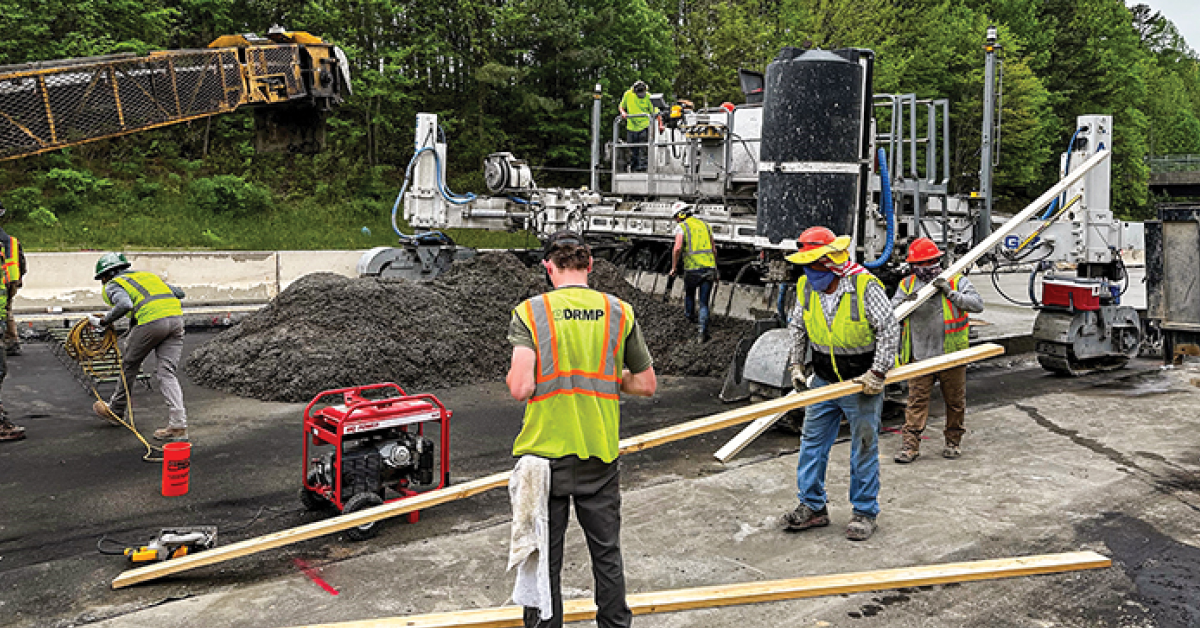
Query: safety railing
x=1173, y=163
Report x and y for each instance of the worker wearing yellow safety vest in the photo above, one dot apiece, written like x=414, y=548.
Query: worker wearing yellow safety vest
x=842, y=329
x=938, y=326
x=157, y=327
x=14, y=275
x=695, y=247
x=575, y=350
x=637, y=109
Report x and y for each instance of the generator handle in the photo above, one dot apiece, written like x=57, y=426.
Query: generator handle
x=353, y=389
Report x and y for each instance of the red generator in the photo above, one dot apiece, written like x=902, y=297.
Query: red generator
x=372, y=448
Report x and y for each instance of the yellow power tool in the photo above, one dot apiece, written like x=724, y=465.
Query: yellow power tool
x=174, y=543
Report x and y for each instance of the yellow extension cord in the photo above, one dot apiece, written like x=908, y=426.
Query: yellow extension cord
x=85, y=345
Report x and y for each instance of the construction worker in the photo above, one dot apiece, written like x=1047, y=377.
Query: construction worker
x=574, y=351
x=14, y=274
x=939, y=326
x=636, y=110
x=8, y=431
x=694, y=245
x=842, y=329
x=157, y=325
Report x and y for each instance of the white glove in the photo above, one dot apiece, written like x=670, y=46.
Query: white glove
x=96, y=322
x=872, y=383
x=800, y=375
x=941, y=284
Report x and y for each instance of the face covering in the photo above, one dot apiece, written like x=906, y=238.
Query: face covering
x=927, y=273
x=819, y=278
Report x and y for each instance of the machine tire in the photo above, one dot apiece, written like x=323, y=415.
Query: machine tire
x=362, y=501
x=313, y=501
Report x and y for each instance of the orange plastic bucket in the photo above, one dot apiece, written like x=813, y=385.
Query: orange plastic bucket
x=176, y=465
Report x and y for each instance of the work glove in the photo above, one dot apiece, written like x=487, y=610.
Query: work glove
x=941, y=284
x=871, y=381
x=96, y=322
x=912, y=296
x=800, y=375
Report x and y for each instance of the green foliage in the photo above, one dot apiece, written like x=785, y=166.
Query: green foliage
x=229, y=194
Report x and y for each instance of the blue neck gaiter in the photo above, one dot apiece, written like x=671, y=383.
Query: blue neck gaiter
x=819, y=279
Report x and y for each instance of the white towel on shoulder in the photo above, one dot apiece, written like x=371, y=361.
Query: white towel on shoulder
x=529, y=550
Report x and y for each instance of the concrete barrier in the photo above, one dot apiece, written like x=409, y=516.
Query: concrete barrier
x=64, y=281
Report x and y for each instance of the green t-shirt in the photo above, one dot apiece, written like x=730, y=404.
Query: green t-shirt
x=634, y=106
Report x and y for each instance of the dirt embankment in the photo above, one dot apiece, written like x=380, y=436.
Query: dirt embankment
x=327, y=331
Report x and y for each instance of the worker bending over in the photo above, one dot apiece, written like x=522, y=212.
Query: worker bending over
x=157, y=326
x=937, y=327
x=842, y=328
x=575, y=350
x=694, y=245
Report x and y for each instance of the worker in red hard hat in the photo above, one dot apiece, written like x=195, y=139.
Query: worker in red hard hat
x=938, y=326
x=842, y=329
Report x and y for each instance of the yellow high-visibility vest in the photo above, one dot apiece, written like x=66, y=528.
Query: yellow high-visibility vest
x=956, y=323
x=12, y=263
x=697, y=244
x=851, y=333
x=152, y=297
x=580, y=335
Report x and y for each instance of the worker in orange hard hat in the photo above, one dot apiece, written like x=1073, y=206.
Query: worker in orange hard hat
x=936, y=327
x=842, y=329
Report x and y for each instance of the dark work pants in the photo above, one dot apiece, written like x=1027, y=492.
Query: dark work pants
x=699, y=280
x=637, y=156
x=595, y=487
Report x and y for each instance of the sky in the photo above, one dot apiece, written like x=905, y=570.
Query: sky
x=1185, y=14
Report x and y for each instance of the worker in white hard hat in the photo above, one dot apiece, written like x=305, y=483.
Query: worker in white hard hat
x=842, y=329
x=695, y=251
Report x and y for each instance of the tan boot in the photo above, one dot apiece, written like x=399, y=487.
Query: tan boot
x=171, y=433
x=906, y=456
x=103, y=411
x=8, y=431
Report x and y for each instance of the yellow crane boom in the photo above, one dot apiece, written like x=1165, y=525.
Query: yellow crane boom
x=291, y=78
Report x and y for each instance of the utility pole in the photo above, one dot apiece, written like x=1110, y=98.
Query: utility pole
x=983, y=228
x=595, y=187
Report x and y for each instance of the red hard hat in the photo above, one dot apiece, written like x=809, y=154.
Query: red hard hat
x=814, y=237
x=922, y=250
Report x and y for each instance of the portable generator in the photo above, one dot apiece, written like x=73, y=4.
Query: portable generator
x=371, y=449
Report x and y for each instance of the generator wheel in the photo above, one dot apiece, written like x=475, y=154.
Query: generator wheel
x=313, y=501
x=362, y=501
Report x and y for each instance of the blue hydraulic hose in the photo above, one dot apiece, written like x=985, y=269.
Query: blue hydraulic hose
x=451, y=197
x=1057, y=200
x=889, y=212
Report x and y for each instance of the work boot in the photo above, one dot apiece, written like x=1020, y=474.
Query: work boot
x=171, y=433
x=12, y=350
x=103, y=411
x=861, y=527
x=906, y=456
x=951, y=452
x=702, y=336
x=803, y=518
x=8, y=431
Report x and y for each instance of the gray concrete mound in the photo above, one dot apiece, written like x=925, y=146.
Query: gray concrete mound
x=327, y=331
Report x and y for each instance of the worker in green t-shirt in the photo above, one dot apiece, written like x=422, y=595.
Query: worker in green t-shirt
x=636, y=111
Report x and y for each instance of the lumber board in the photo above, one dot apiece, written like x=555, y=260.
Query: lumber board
x=899, y=374
x=765, y=591
x=461, y=491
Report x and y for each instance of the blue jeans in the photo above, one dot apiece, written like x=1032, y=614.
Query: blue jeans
x=693, y=281
x=821, y=424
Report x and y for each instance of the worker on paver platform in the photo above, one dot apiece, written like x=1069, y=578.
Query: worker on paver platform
x=940, y=325
x=637, y=110
x=157, y=326
x=14, y=274
x=842, y=328
x=694, y=246
x=575, y=350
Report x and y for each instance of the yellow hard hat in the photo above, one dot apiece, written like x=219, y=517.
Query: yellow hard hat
x=815, y=243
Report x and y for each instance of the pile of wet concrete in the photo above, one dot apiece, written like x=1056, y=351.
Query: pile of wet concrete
x=327, y=331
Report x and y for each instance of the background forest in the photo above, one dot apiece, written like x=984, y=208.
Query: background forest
x=517, y=75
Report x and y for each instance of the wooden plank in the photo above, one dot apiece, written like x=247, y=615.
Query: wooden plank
x=461, y=491
x=899, y=374
x=756, y=592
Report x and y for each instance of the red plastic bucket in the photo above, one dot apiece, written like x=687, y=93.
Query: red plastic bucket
x=176, y=464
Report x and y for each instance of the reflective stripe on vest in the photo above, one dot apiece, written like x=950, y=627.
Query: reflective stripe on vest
x=697, y=244
x=850, y=333
x=956, y=324
x=12, y=263
x=575, y=409
x=152, y=297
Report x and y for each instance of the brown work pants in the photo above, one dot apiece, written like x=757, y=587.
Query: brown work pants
x=954, y=393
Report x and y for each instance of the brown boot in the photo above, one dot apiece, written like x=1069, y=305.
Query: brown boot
x=171, y=433
x=8, y=431
x=951, y=451
x=103, y=411
x=803, y=518
x=907, y=455
x=861, y=528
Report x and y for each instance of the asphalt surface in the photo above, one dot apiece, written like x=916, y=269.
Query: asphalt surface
x=1104, y=462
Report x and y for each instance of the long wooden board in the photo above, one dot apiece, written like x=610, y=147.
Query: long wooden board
x=755, y=592
x=461, y=491
x=899, y=374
